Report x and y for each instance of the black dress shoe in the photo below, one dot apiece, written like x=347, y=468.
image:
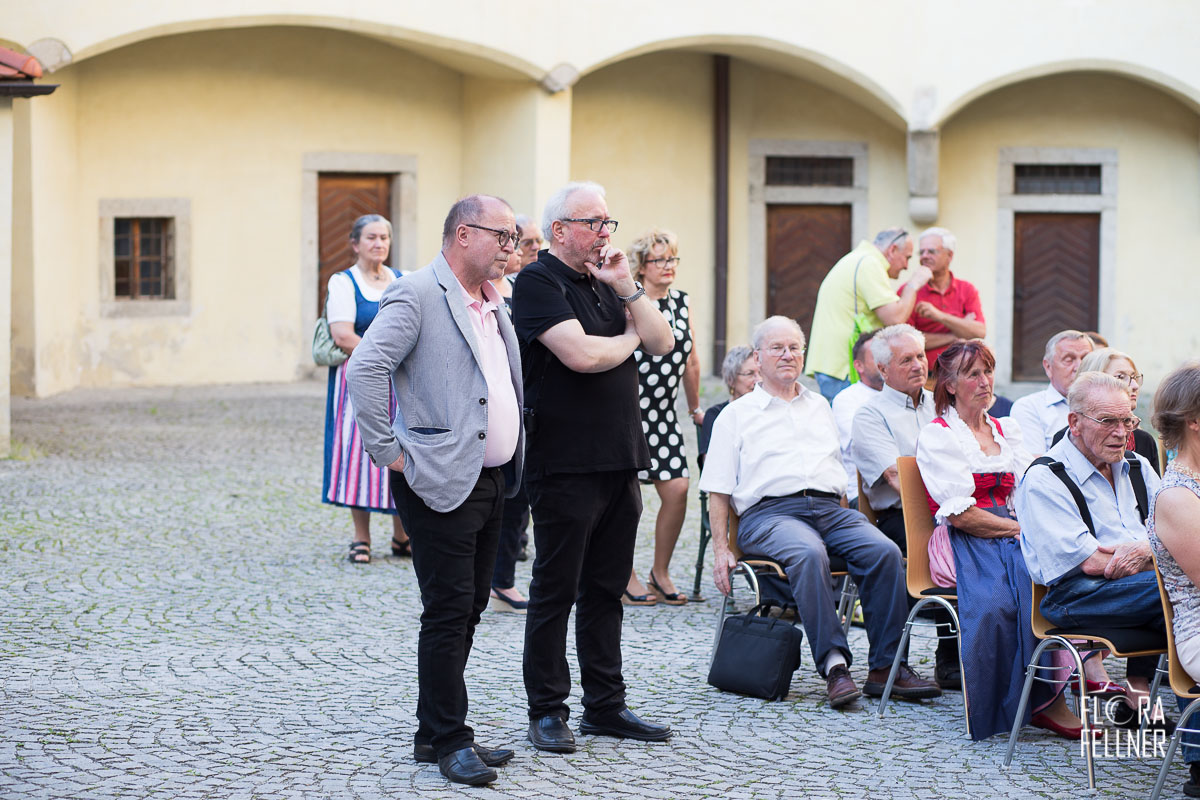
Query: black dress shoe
x=623, y=724
x=425, y=754
x=947, y=675
x=552, y=734
x=464, y=766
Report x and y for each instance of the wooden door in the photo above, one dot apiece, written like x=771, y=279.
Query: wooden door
x=1056, y=275
x=341, y=199
x=803, y=242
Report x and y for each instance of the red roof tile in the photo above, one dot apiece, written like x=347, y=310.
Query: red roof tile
x=18, y=66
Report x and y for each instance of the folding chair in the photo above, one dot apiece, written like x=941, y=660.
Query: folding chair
x=705, y=528
x=918, y=528
x=1181, y=684
x=1123, y=642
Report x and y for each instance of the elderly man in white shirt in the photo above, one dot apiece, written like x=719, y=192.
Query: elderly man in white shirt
x=774, y=459
x=850, y=400
x=1043, y=414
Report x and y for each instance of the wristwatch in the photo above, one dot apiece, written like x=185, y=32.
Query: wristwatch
x=641, y=290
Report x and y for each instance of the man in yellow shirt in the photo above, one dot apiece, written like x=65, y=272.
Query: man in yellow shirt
x=859, y=284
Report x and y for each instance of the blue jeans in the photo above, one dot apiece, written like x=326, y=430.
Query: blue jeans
x=830, y=385
x=1093, y=601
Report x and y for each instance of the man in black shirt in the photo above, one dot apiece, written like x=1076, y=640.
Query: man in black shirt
x=579, y=316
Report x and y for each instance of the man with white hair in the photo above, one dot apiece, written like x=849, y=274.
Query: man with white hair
x=1044, y=413
x=848, y=401
x=579, y=315
x=1083, y=514
x=774, y=459
x=948, y=308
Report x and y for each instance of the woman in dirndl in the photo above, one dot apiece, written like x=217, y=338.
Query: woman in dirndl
x=351, y=479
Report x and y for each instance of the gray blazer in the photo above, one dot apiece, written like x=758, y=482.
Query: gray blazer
x=422, y=344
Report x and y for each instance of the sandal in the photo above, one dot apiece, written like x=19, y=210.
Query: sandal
x=670, y=598
x=401, y=549
x=638, y=599
x=360, y=553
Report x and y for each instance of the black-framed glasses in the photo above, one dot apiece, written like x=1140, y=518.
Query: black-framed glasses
x=596, y=224
x=673, y=261
x=502, y=237
x=1128, y=423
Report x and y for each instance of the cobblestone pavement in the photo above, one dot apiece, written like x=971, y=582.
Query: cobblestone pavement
x=179, y=621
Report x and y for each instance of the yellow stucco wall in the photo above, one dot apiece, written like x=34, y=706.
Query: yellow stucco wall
x=1158, y=198
x=222, y=118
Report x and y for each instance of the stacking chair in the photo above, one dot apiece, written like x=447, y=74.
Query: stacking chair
x=1181, y=683
x=918, y=528
x=864, y=504
x=1123, y=642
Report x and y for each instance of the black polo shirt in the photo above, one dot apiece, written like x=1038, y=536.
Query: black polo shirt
x=582, y=422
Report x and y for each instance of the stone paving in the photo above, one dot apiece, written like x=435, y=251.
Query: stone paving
x=179, y=621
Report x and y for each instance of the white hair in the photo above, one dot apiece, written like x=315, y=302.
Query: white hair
x=1089, y=384
x=762, y=328
x=1062, y=335
x=881, y=343
x=949, y=240
x=556, y=206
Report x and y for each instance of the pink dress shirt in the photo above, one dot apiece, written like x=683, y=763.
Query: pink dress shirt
x=503, y=417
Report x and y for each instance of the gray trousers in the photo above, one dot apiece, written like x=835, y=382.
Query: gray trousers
x=795, y=531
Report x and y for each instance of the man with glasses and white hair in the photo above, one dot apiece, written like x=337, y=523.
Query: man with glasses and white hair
x=948, y=308
x=858, y=284
x=1083, y=520
x=1044, y=413
x=775, y=459
x=579, y=316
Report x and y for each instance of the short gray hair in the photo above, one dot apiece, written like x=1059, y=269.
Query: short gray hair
x=891, y=236
x=949, y=240
x=467, y=210
x=1088, y=384
x=556, y=206
x=525, y=222
x=366, y=219
x=881, y=344
x=733, y=363
x=1070, y=333
x=760, y=330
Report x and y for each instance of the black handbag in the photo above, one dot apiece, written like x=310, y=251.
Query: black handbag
x=756, y=655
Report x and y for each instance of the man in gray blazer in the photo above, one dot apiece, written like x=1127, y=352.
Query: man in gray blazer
x=455, y=449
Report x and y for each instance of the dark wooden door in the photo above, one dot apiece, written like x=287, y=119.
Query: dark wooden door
x=803, y=242
x=341, y=199
x=1056, y=275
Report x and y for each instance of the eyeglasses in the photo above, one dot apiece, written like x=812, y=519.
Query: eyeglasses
x=502, y=237
x=750, y=373
x=528, y=243
x=777, y=350
x=928, y=251
x=1128, y=423
x=896, y=238
x=1126, y=378
x=596, y=224
x=673, y=261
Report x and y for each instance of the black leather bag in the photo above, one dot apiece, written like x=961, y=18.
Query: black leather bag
x=756, y=655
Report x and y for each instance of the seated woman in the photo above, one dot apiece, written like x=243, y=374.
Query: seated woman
x=740, y=371
x=970, y=462
x=1174, y=532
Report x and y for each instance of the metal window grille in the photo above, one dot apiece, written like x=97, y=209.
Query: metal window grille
x=810, y=171
x=144, y=258
x=1056, y=179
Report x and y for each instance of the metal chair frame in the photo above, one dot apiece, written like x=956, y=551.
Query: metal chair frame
x=1180, y=682
x=918, y=528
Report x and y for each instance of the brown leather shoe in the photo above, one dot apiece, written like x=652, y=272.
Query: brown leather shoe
x=909, y=685
x=840, y=687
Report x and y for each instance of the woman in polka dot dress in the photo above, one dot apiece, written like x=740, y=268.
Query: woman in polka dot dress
x=654, y=258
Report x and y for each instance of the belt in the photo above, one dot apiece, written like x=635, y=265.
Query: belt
x=815, y=493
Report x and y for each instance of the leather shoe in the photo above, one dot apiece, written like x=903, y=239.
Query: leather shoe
x=464, y=766
x=623, y=724
x=552, y=734
x=425, y=754
x=948, y=675
x=840, y=688
x=1045, y=723
x=908, y=685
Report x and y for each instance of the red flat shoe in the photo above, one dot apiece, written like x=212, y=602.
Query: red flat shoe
x=1045, y=723
x=1105, y=689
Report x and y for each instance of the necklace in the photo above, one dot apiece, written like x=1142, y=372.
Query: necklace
x=1185, y=471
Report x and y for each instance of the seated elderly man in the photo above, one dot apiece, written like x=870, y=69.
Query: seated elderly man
x=850, y=400
x=1044, y=413
x=885, y=428
x=774, y=459
x=1098, y=570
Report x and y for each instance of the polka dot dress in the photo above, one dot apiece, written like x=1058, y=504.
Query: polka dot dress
x=659, y=378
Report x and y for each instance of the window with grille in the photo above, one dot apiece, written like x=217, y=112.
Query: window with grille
x=810, y=171
x=144, y=258
x=1056, y=179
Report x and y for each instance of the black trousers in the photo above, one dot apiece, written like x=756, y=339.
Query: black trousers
x=891, y=522
x=584, y=529
x=453, y=555
x=512, y=526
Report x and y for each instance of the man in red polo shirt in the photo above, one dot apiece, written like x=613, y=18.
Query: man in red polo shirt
x=947, y=308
